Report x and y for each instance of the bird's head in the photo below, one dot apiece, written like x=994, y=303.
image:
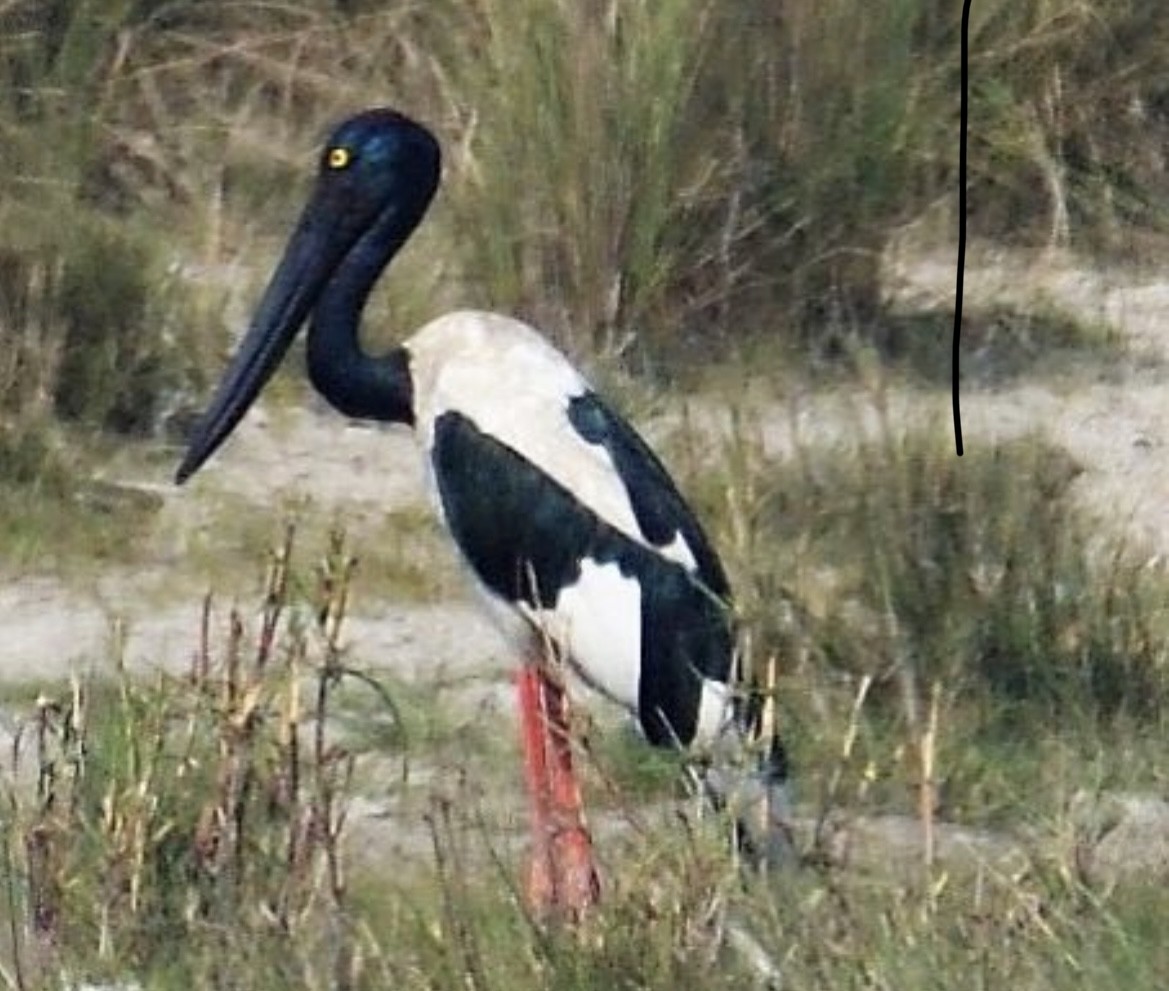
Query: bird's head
x=376, y=161
x=377, y=174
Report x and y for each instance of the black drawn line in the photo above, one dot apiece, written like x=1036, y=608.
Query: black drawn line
x=961, y=222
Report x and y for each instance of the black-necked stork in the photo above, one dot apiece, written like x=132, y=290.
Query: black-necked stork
x=570, y=524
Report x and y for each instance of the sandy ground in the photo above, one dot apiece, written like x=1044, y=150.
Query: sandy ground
x=1117, y=427
x=54, y=626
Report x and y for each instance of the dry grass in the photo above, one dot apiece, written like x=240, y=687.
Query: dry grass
x=204, y=812
x=207, y=813
x=675, y=181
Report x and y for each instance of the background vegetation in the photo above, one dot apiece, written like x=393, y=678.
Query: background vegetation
x=686, y=192
x=706, y=177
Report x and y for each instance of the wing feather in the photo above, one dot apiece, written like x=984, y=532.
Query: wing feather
x=517, y=388
x=532, y=543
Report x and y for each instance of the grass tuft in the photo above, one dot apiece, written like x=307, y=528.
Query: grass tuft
x=204, y=813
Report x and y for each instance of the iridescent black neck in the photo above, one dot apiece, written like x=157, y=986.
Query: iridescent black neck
x=357, y=384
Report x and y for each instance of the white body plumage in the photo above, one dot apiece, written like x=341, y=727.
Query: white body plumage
x=515, y=387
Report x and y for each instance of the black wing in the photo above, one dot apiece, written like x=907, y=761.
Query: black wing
x=660, y=510
x=525, y=536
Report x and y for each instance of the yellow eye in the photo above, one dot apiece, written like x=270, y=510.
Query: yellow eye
x=338, y=158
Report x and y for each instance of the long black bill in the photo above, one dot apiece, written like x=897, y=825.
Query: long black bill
x=309, y=260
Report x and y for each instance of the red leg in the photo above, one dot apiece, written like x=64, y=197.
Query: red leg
x=572, y=848
x=561, y=873
x=539, y=884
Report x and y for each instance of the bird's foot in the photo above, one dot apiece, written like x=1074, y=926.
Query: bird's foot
x=579, y=882
x=562, y=880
